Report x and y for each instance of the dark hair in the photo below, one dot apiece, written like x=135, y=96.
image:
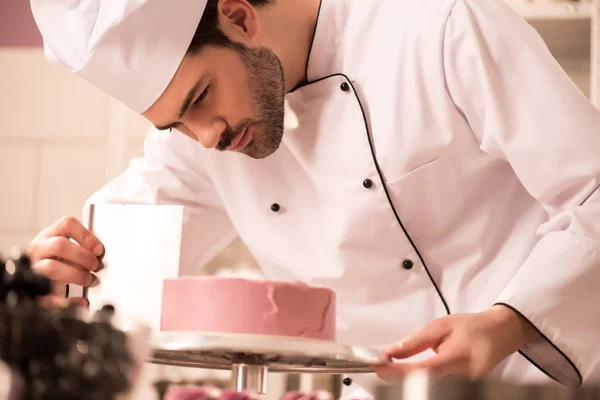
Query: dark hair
x=209, y=31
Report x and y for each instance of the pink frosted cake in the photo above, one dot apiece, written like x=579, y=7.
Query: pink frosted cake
x=238, y=305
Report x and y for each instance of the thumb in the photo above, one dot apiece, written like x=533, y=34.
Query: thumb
x=428, y=338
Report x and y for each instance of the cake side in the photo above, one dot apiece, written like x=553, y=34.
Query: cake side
x=237, y=305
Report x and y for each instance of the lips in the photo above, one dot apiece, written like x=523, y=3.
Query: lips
x=240, y=142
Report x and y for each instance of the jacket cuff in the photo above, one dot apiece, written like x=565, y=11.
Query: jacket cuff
x=556, y=290
x=548, y=358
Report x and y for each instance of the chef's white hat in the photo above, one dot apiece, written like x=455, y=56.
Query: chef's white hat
x=130, y=49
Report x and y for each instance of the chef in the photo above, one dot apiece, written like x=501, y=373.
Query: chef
x=428, y=160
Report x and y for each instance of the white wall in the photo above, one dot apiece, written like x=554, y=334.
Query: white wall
x=55, y=132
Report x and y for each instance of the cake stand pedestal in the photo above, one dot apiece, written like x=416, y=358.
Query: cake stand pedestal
x=251, y=357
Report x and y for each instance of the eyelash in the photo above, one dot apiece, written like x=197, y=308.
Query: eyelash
x=202, y=97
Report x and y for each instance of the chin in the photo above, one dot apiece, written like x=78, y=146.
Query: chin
x=259, y=155
x=264, y=147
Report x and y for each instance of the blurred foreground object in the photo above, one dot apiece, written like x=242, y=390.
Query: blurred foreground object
x=11, y=385
x=64, y=353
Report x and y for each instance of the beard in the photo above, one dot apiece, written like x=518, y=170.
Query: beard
x=266, y=85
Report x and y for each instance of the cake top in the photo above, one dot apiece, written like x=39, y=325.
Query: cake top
x=242, y=280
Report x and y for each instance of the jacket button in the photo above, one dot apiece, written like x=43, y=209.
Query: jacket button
x=408, y=264
x=367, y=183
x=275, y=207
x=347, y=381
x=345, y=87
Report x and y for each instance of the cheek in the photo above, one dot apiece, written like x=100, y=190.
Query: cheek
x=234, y=94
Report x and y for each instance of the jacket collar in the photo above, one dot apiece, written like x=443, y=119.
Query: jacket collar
x=325, y=57
x=326, y=52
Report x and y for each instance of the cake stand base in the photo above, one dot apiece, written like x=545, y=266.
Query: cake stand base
x=251, y=357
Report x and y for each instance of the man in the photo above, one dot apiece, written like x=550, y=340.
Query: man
x=442, y=177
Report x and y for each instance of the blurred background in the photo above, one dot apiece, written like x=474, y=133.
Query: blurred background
x=61, y=139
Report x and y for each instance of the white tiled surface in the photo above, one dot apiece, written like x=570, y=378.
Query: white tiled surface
x=39, y=99
x=69, y=174
x=137, y=129
x=16, y=239
x=54, y=142
x=137, y=126
x=18, y=179
x=134, y=148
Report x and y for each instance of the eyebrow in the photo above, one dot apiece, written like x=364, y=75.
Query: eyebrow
x=185, y=105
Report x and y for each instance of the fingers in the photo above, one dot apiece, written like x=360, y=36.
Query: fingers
x=440, y=366
x=444, y=364
x=62, y=271
x=391, y=372
x=65, y=250
x=428, y=338
x=71, y=228
x=60, y=302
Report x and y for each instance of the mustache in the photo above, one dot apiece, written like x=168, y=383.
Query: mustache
x=231, y=133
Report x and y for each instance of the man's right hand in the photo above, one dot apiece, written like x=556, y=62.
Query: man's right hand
x=54, y=255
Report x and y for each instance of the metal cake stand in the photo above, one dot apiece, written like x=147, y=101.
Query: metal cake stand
x=251, y=357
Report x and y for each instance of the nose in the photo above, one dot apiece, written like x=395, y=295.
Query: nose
x=207, y=134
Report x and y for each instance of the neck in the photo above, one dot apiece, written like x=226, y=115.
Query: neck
x=287, y=29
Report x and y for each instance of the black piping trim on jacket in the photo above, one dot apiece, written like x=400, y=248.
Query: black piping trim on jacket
x=387, y=194
x=437, y=289
x=319, y=80
x=579, y=377
x=590, y=195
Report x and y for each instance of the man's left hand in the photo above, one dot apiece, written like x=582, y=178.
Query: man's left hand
x=468, y=345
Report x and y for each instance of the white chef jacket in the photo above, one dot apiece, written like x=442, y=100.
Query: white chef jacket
x=443, y=163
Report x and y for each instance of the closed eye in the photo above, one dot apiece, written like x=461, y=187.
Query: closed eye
x=202, y=97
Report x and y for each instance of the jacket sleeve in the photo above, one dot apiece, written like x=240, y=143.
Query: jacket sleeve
x=170, y=172
x=523, y=108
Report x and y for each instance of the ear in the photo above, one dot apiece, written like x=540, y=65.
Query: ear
x=238, y=20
